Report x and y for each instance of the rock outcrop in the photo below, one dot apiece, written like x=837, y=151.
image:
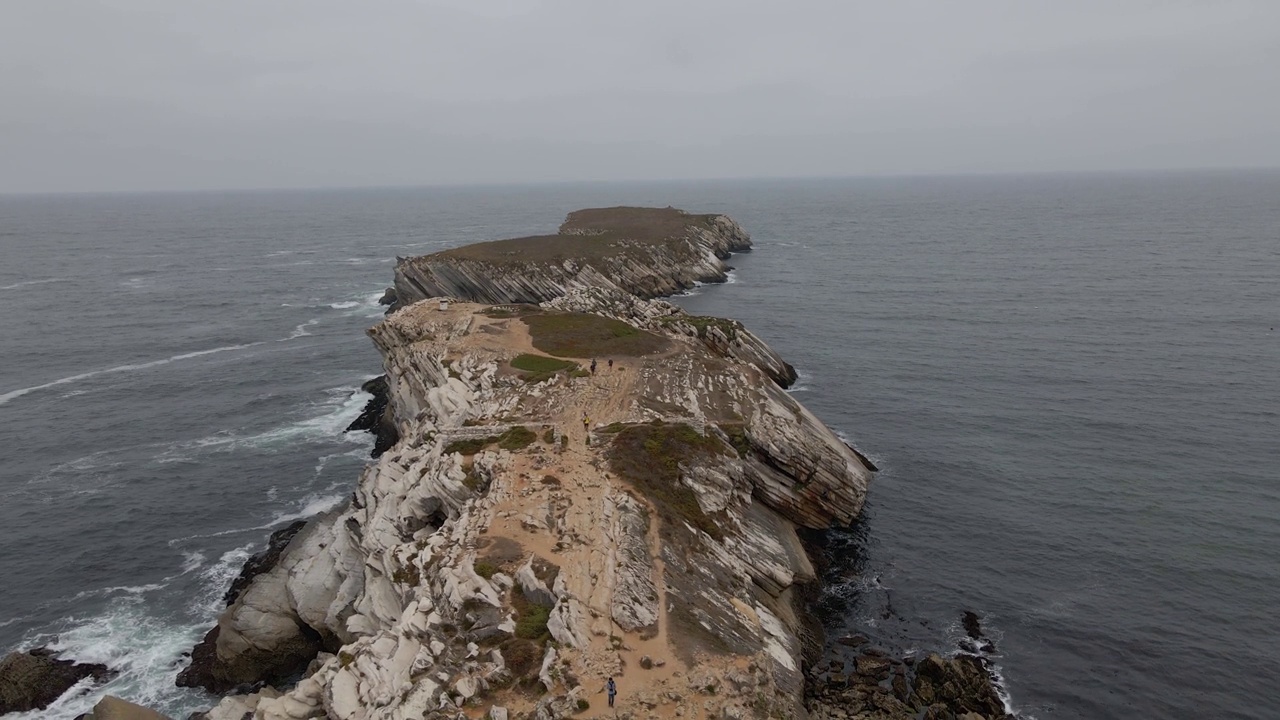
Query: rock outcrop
x=647, y=252
x=376, y=417
x=32, y=680
x=584, y=484
x=879, y=687
x=504, y=544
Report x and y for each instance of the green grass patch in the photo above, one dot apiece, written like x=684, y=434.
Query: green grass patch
x=517, y=438
x=581, y=335
x=649, y=456
x=485, y=569
x=540, y=363
x=531, y=618
x=737, y=433
x=470, y=446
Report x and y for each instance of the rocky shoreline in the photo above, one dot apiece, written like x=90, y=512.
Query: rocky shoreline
x=573, y=481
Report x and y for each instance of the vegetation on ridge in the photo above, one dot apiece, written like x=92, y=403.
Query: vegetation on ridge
x=517, y=438
x=649, y=457
x=591, y=234
x=580, y=335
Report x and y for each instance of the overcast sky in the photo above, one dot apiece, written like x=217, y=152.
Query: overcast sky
x=176, y=94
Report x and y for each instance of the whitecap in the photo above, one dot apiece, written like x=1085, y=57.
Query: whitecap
x=191, y=561
x=346, y=305
x=119, y=369
x=300, y=331
x=731, y=277
x=29, y=283
x=362, y=453
x=145, y=649
x=310, y=506
x=341, y=409
x=216, y=578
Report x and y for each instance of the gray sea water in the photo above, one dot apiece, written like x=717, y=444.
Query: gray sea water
x=1071, y=384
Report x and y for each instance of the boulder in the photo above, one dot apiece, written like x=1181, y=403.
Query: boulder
x=113, y=708
x=32, y=680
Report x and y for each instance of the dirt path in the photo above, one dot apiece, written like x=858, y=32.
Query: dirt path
x=540, y=516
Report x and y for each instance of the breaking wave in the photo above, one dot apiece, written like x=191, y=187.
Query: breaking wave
x=13, y=394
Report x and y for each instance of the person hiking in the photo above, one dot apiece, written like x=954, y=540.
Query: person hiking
x=612, y=688
x=610, y=363
x=593, y=366
x=586, y=422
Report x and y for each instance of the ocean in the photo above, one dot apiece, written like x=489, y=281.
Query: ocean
x=1071, y=384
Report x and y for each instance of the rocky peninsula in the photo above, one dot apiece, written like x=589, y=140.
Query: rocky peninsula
x=574, y=481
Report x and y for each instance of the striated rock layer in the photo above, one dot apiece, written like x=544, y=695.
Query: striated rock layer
x=647, y=252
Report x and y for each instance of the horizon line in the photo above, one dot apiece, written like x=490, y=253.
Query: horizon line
x=477, y=185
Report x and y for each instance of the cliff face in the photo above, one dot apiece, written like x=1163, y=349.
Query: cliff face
x=537, y=530
x=647, y=252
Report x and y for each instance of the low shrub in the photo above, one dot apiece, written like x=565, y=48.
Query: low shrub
x=649, y=456
x=517, y=438
x=470, y=446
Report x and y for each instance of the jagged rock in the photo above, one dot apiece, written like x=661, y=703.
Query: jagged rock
x=263, y=561
x=33, y=679
x=375, y=418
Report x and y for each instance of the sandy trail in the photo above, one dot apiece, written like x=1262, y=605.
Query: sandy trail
x=540, y=516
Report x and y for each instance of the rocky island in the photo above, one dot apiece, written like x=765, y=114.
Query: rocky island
x=574, y=481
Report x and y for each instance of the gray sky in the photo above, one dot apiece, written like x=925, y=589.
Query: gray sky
x=178, y=94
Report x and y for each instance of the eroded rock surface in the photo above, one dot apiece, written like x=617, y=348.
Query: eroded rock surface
x=504, y=554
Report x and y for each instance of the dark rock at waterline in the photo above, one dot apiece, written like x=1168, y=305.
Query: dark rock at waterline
x=32, y=680
x=887, y=689
x=263, y=561
x=376, y=417
x=972, y=626
x=204, y=656
x=977, y=642
x=252, y=668
x=853, y=640
x=388, y=297
x=203, y=672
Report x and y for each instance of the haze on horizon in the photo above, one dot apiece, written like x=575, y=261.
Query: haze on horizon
x=120, y=95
